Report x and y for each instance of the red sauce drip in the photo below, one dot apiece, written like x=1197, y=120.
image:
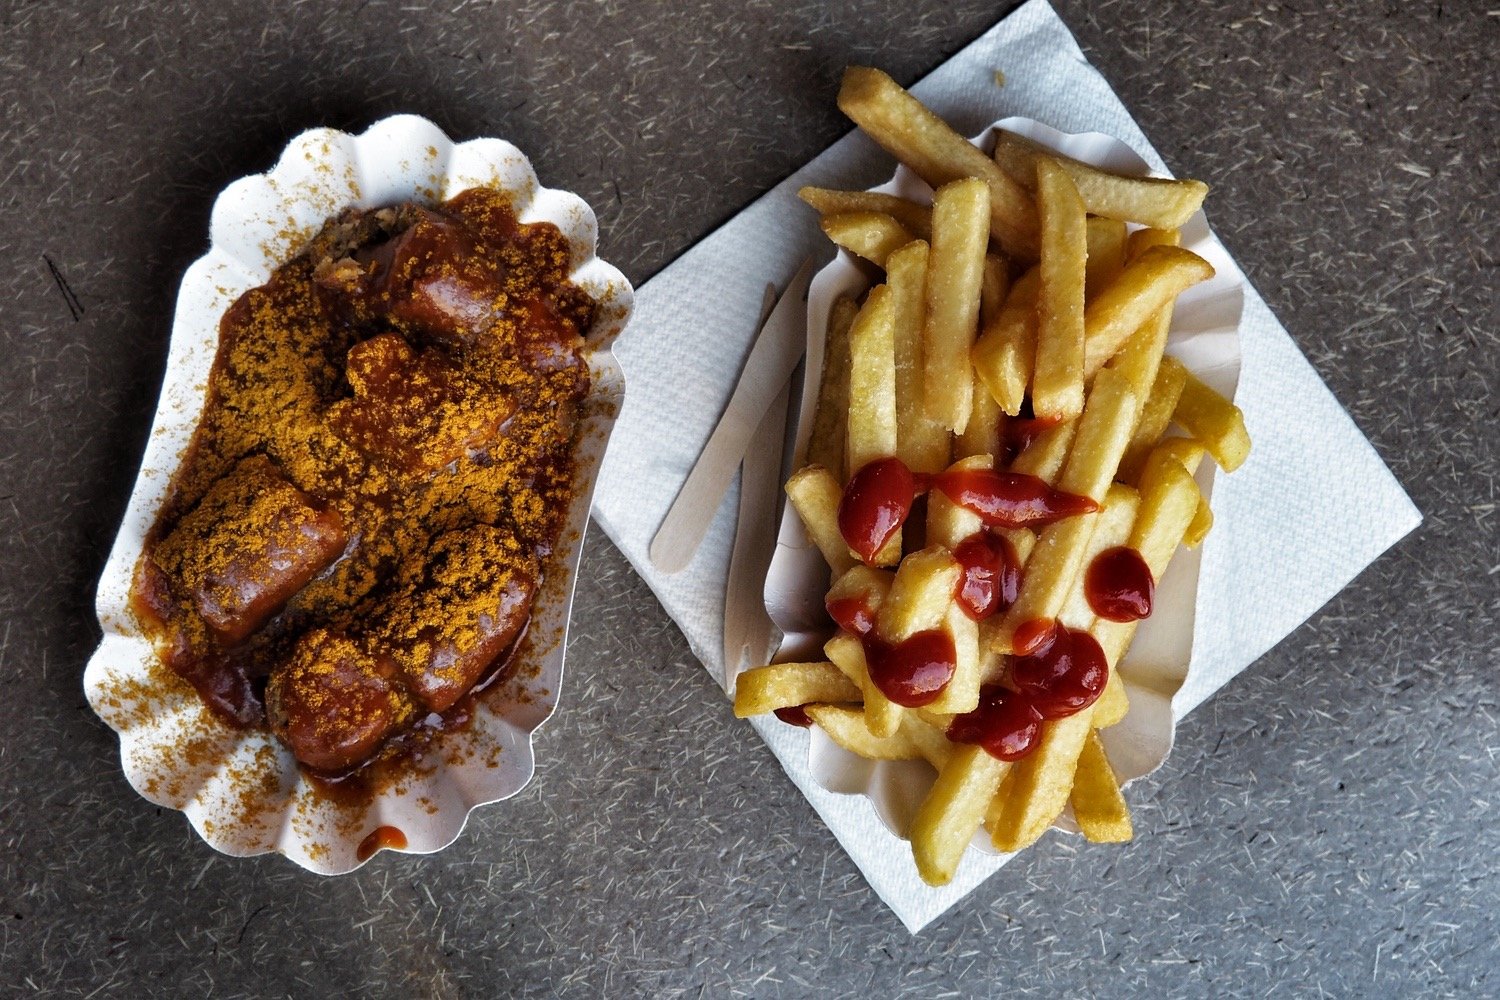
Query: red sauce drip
x=1005, y=724
x=990, y=577
x=914, y=672
x=380, y=838
x=1065, y=675
x=795, y=715
x=852, y=614
x=1118, y=585
x=1010, y=499
x=1032, y=636
x=1019, y=432
x=875, y=505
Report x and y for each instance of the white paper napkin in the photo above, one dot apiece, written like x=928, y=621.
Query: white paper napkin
x=692, y=329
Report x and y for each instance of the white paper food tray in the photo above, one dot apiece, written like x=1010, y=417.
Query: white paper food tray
x=242, y=791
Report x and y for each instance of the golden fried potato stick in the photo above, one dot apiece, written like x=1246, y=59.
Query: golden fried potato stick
x=1098, y=805
x=872, y=381
x=1111, y=528
x=962, y=692
x=815, y=496
x=1106, y=242
x=1057, y=381
x=871, y=235
x=920, y=139
x=882, y=716
x=984, y=433
x=1213, y=420
x=1044, y=778
x=1148, y=283
x=825, y=445
x=1005, y=353
x=787, y=685
x=1139, y=359
x=828, y=201
x=846, y=727
x=955, y=274
x=1045, y=455
x=1154, y=417
x=931, y=742
x=953, y=810
x=920, y=594
x=921, y=441
x=1151, y=201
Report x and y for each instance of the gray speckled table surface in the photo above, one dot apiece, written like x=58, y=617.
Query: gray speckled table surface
x=1326, y=824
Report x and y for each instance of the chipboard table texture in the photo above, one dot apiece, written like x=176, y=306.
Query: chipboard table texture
x=1326, y=824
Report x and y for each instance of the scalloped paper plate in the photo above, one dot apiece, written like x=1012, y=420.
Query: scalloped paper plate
x=1204, y=336
x=242, y=791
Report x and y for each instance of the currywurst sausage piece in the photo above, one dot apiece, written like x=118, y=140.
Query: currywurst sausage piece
x=252, y=542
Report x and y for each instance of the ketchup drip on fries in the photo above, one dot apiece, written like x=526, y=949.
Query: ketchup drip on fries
x=990, y=577
x=1118, y=585
x=1064, y=675
x=795, y=715
x=879, y=498
x=911, y=673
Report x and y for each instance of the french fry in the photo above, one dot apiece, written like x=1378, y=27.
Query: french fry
x=871, y=235
x=1154, y=417
x=846, y=727
x=1151, y=201
x=1139, y=359
x=984, y=433
x=1103, y=432
x=955, y=273
x=931, y=742
x=787, y=685
x=914, y=135
x=1005, y=353
x=1057, y=381
x=1106, y=243
x=866, y=583
x=962, y=692
x=1045, y=455
x=1113, y=703
x=1097, y=803
x=1202, y=524
x=1213, y=420
x=920, y=594
x=872, y=381
x=825, y=445
x=1147, y=284
x=815, y=495
x=882, y=716
x=827, y=201
x=953, y=810
x=921, y=441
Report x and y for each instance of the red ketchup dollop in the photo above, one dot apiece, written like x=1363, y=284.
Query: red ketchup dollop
x=1118, y=585
x=1005, y=724
x=990, y=576
x=911, y=673
x=1064, y=675
x=875, y=504
x=794, y=715
x=1010, y=499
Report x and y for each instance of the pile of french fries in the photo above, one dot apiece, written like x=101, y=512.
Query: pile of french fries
x=1034, y=287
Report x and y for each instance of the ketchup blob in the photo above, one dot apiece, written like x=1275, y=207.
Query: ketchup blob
x=1008, y=499
x=795, y=715
x=1005, y=724
x=853, y=614
x=875, y=504
x=913, y=672
x=1064, y=676
x=1118, y=585
x=990, y=576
